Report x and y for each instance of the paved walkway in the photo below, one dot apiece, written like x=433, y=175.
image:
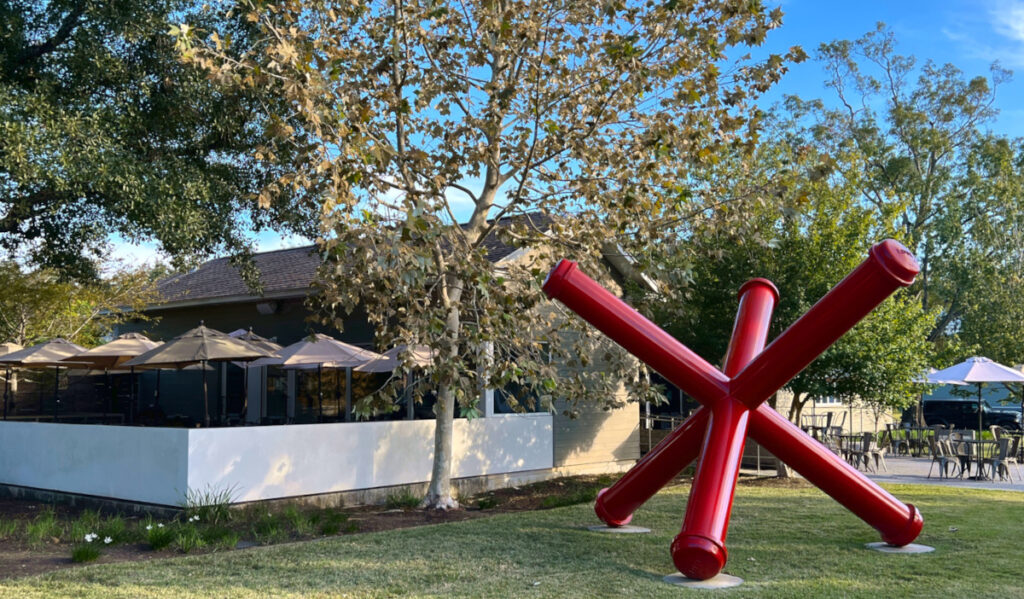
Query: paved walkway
x=904, y=470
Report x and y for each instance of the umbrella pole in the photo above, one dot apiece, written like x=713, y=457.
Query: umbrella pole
x=206, y=402
x=337, y=393
x=320, y=391
x=348, y=395
x=56, y=395
x=131, y=394
x=110, y=393
x=156, y=391
x=245, y=392
x=7, y=387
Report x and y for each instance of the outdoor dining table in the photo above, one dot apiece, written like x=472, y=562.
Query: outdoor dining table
x=976, y=450
x=916, y=439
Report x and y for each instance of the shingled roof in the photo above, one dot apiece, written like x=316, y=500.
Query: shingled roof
x=284, y=273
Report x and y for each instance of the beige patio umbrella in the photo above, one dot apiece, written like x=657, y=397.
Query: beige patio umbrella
x=419, y=355
x=321, y=350
x=45, y=355
x=198, y=346
x=7, y=348
x=112, y=355
x=261, y=342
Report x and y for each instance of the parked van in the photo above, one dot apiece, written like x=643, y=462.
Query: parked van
x=963, y=414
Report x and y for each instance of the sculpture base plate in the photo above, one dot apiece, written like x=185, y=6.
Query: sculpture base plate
x=911, y=548
x=719, y=581
x=623, y=530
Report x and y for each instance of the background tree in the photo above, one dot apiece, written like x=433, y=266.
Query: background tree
x=583, y=119
x=39, y=305
x=933, y=173
x=821, y=232
x=103, y=130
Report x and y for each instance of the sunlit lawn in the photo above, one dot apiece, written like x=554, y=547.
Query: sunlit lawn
x=783, y=542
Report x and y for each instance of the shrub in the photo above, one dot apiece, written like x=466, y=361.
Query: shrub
x=189, y=539
x=299, y=522
x=487, y=503
x=43, y=528
x=86, y=523
x=8, y=528
x=330, y=523
x=159, y=536
x=571, y=498
x=85, y=552
x=268, y=528
x=210, y=505
x=404, y=500
x=220, y=536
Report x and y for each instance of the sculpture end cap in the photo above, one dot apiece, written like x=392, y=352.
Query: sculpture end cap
x=760, y=282
x=556, y=278
x=909, y=532
x=605, y=516
x=897, y=260
x=698, y=557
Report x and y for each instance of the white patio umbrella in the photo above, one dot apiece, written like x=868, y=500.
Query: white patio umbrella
x=976, y=370
x=321, y=350
x=7, y=348
x=50, y=354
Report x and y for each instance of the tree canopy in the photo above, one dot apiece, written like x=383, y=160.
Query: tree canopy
x=588, y=116
x=104, y=131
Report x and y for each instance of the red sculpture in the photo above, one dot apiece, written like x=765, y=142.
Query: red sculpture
x=732, y=404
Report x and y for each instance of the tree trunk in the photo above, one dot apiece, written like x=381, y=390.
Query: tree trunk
x=439, y=492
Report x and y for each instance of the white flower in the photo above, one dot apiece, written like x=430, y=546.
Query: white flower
x=194, y=518
x=107, y=540
x=90, y=537
x=149, y=527
x=160, y=525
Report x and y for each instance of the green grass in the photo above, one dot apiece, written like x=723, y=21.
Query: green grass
x=43, y=528
x=784, y=542
x=404, y=501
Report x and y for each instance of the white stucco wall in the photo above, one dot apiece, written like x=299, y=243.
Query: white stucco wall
x=285, y=461
x=135, y=463
x=157, y=465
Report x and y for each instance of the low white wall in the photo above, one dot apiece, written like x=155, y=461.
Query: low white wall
x=157, y=465
x=285, y=461
x=134, y=463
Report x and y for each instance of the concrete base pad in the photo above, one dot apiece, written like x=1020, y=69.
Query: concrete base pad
x=721, y=581
x=911, y=548
x=624, y=530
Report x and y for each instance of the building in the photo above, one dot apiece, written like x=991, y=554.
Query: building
x=283, y=452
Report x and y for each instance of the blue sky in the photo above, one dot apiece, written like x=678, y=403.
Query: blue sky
x=971, y=34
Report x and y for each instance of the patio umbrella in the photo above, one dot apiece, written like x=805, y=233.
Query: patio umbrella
x=198, y=346
x=976, y=370
x=7, y=348
x=45, y=355
x=321, y=350
x=111, y=355
x=261, y=342
x=419, y=355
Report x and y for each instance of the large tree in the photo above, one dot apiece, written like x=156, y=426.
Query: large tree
x=38, y=305
x=934, y=172
x=584, y=119
x=813, y=235
x=104, y=131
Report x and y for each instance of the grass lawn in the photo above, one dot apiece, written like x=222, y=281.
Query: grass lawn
x=785, y=542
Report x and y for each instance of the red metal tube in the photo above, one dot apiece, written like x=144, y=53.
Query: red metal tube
x=699, y=551
x=898, y=523
x=616, y=504
x=636, y=334
x=889, y=266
